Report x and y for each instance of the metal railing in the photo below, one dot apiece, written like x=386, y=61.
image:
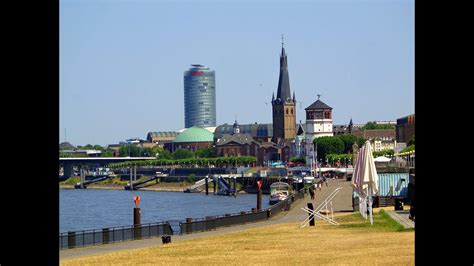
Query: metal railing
x=126, y=233
x=111, y=235
x=214, y=222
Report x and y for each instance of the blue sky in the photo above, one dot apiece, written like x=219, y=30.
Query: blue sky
x=122, y=62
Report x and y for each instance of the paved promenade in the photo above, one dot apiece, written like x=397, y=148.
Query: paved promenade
x=341, y=203
x=402, y=218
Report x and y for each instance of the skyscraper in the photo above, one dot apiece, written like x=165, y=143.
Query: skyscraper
x=283, y=106
x=199, y=97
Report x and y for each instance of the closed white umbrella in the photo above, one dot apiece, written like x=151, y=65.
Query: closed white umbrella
x=369, y=178
x=365, y=179
x=356, y=181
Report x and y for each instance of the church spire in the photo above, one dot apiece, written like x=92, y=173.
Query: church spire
x=283, y=92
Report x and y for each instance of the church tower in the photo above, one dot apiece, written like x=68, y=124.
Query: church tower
x=283, y=106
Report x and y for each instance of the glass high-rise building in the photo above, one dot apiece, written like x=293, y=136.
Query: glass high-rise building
x=199, y=97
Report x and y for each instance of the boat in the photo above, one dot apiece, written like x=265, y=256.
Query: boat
x=279, y=191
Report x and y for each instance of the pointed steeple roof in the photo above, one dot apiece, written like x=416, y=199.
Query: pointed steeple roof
x=300, y=130
x=283, y=91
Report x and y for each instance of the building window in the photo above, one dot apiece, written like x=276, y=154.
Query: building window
x=291, y=110
x=286, y=111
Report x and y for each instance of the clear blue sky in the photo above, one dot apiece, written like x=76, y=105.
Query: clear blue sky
x=122, y=62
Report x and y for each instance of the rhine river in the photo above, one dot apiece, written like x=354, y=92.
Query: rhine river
x=84, y=209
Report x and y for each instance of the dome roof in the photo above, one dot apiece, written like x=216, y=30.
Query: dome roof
x=195, y=134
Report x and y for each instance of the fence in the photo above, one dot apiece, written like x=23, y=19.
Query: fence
x=142, y=231
x=214, y=222
x=112, y=235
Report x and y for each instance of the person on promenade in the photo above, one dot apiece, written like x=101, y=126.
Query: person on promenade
x=311, y=192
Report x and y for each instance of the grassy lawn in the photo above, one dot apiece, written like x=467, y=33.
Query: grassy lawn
x=354, y=242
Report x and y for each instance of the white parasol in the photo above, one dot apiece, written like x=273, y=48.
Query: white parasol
x=365, y=179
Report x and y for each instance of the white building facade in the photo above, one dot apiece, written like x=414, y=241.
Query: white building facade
x=318, y=124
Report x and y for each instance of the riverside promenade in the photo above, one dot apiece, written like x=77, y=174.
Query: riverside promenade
x=341, y=203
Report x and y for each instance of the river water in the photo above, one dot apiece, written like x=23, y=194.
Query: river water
x=83, y=209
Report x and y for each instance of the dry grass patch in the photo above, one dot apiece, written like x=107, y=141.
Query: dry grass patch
x=281, y=244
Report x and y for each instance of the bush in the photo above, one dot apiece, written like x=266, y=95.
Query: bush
x=191, y=178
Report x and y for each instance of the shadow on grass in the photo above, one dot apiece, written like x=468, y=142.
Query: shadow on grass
x=382, y=222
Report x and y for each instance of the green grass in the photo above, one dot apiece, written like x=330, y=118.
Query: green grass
x=382, y=222
x=71, y=180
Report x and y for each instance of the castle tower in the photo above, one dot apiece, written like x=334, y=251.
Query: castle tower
x=318, y=124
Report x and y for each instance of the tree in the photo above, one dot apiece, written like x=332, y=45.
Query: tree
x=374, y=125
x=348, y=140
x=328, y=145
x=182, y=154
x=411, y=141
x=134, y=151
x=298, y=159
x=206, y=152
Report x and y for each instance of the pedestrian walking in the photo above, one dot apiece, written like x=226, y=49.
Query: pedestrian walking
x=311, y=192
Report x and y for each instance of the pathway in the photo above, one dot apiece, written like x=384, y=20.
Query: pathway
x=402, y=218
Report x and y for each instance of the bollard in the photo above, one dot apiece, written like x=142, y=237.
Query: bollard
x=71, y=239
x=207, y=185
x=311, y=216
x=269, y=213
x=259, y=200
x=137, y=230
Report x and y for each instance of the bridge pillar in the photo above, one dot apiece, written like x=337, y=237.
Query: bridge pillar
x=67, y=169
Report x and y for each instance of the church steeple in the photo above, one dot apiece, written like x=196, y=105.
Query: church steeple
x=283, y=92
x=350, y=126
x=283, y=105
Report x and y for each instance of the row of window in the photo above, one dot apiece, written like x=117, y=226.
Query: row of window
x=279, y=112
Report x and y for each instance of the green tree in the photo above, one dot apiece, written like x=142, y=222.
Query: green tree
x=348, y=140
x=374, y=125
x=191, y=178
x=206, y=152
x=134, y=151
x=298, y=159
x=182, y=154
x=411, y=141
x=328, y=145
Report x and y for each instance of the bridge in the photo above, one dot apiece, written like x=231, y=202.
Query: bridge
x=68, y=163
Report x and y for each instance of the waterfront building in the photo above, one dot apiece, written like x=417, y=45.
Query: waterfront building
x=162, y=137
x=236, y=144
x=199, y=97
x=405, y=128
x=343, y=129
x=259, y=132
x=298, y=144
x=380, y=139
x=318, y=124
x=283, y=106
x=191, y=139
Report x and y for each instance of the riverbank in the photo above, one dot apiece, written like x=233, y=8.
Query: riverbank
x=172, y=187
x=162, y=186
